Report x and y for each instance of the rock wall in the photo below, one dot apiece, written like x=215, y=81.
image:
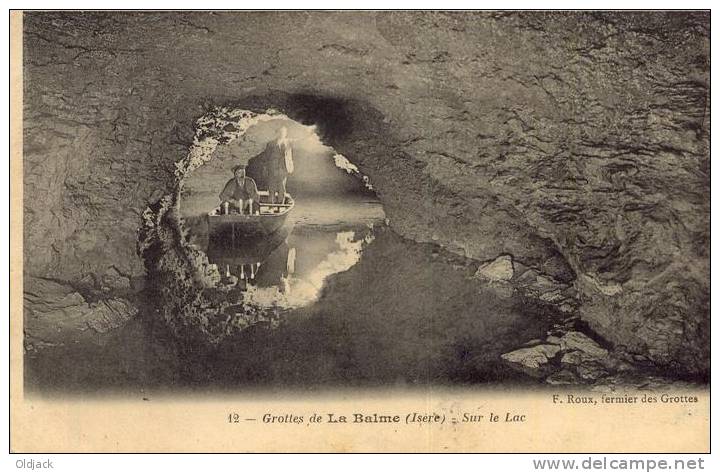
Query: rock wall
x=576, y=142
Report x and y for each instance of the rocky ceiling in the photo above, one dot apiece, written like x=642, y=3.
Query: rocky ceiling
x=575, y=142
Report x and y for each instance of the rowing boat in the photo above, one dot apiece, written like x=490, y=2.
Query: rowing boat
x=267, y=219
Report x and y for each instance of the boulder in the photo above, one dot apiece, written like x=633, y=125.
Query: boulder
x=591, y=371
x=532, y=357
x=562, y=377
x=113, y=280
x=500, y=269
x=109, y=314
x=576, y=358
x=55, y=314
x=581, y=342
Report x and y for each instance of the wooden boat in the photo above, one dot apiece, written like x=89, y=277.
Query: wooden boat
x=268, y=219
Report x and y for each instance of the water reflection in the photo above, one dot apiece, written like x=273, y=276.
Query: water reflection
x=304, y=281
x=288, y=269
x=403, y=313
x=252, y=261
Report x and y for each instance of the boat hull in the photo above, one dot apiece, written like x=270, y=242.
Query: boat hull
x=245, y=225
x=228, y=228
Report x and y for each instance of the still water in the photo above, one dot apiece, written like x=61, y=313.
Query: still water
x=361, y=307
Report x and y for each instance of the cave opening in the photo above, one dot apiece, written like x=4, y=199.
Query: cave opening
x=334, y=294
x=320, y=179
x=335, y=286
x=269, y=251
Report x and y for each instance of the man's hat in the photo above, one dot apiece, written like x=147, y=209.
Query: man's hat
x=239, y=166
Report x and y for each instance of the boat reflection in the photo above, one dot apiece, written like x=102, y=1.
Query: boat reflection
x=252, y=260
x=289, y=268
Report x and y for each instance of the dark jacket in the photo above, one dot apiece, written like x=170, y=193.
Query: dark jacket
x=277, y=169
x=234, y=191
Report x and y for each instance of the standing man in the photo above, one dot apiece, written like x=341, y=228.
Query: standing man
x=240, y=192
x=280, y=164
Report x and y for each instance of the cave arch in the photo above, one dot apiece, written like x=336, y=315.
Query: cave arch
x=414, y=192
x=224, y=127
x=181, y=273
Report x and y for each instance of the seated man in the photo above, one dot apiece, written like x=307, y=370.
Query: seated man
x=240, y=192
